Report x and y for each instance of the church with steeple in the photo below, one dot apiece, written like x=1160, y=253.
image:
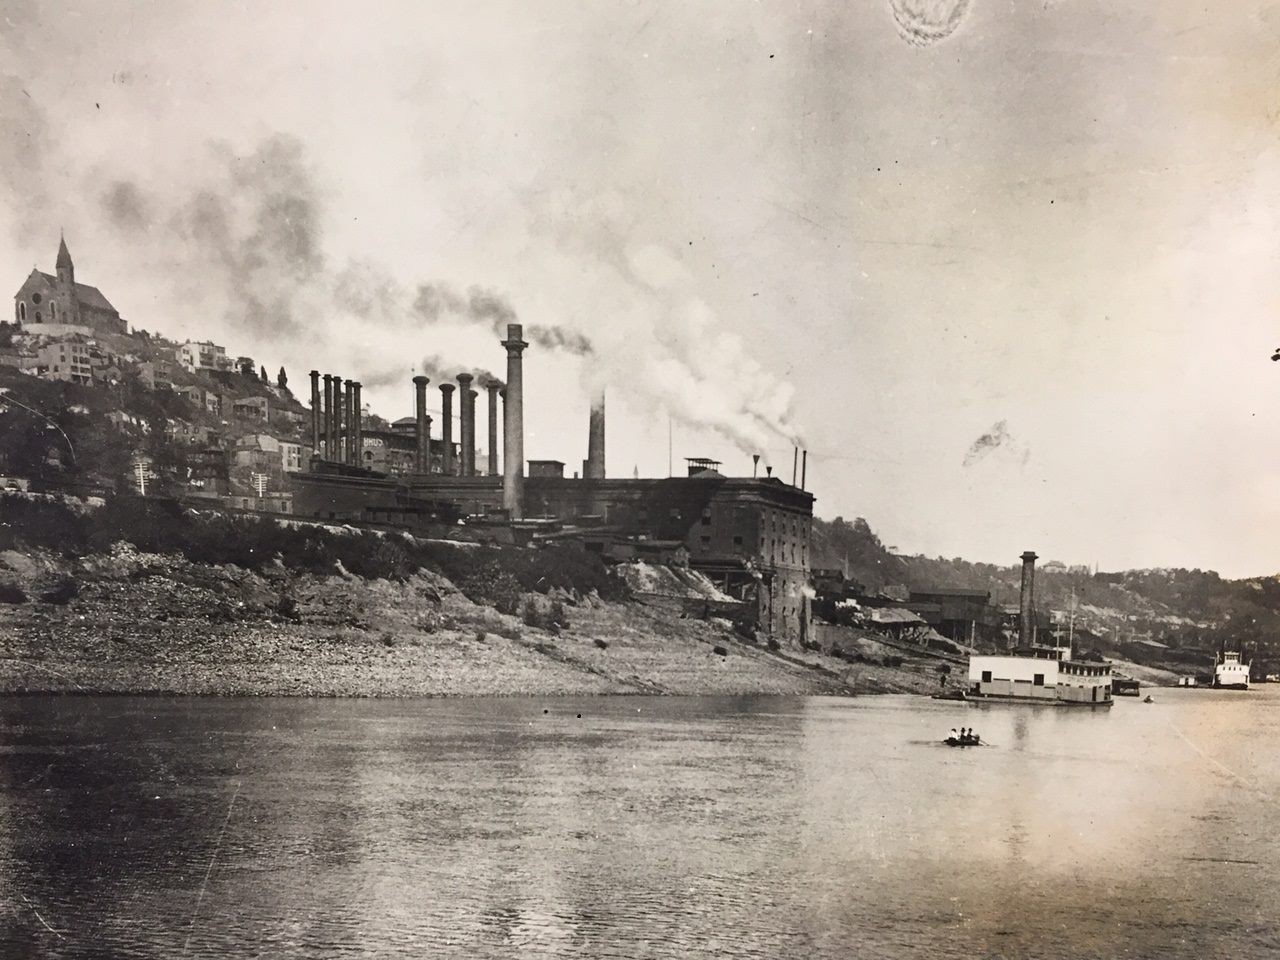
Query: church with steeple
x=58, y=299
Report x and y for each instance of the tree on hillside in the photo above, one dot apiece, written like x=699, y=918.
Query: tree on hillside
x=282, y=380
x=262, y=373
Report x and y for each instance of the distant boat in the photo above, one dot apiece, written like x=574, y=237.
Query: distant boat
x=1230, y=673
x=956, y=694
x=967, y=741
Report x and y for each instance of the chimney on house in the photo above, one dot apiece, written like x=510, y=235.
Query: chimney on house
x=422, y=449
x=466, y=411
x=593, y=466
x=493, y=388
x=513, y=425
x=1027, y=611
x=446, y=428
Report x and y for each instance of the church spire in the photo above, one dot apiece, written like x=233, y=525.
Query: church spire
x=66, y=269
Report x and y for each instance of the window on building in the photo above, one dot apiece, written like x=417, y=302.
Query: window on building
x=986, y=676
x=706, y=519
x=35, y=298
x=706, y=541
x=22, y=312
x=37, y=316
x=53, y=310
x=1038, y=680
x=737, y=541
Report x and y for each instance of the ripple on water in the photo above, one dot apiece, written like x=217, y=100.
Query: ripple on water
x=780, y=829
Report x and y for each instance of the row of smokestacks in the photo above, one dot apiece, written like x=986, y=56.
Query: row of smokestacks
x=337, y=432
x=467, y=426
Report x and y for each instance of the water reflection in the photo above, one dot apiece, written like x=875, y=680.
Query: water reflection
x=644, y=828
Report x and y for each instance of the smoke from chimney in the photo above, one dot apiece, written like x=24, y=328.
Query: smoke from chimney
x=239, y=235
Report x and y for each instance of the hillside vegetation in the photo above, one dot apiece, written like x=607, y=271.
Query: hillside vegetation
x=138, y=595
x=1192, y=612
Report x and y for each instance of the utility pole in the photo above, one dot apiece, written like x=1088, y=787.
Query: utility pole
x=1071, y=622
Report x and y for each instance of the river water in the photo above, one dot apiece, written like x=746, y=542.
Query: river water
x=645, y=827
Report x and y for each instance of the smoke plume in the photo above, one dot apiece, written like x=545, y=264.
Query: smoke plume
x=440, y=303
x=997, y=438
x=442, y=370
x=239, y=236
x=923, y=23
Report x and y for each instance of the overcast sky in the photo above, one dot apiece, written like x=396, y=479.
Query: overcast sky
x=1050, y=224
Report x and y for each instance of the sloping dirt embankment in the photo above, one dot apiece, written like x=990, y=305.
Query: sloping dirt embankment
x=129, y=622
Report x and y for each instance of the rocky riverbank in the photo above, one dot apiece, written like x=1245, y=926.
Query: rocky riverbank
x=133, y=622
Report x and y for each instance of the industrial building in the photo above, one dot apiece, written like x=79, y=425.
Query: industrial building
x=751, y=536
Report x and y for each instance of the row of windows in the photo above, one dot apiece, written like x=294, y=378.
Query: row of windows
x=1037, y=680
x=35, y=299
x=1085, y=671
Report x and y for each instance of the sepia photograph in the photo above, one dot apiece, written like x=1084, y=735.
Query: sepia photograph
x=640, y=479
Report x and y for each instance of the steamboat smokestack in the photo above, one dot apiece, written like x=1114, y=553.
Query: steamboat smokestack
x=327, y=417
x=315, y=412
x=1027, y=618
x=493, y=428
x=593, y=466
x=513, y=425
x=466, y=417
x=446, y=428
x=422, y=450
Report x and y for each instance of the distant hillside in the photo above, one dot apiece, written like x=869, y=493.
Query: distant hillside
x=1183, y=609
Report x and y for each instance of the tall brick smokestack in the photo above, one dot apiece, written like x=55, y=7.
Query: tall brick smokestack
x=493, y=428
x=336, y=455
x=315, y=412
x=348, y=413
x=358, y=425
x=467, y=425
x=422, y=450
x=1027, y=618
x=513, y=425
x=446, y=427
x=472, y=396
x=593, y=466
x=327, y=417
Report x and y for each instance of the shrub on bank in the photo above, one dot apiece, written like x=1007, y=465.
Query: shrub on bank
x=493, y=576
